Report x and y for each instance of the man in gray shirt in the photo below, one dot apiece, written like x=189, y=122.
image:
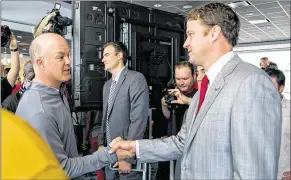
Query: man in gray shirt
x=43, y=107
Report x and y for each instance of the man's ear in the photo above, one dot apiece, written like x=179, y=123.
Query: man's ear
x=39, y=62
x=281, y=88
x=215, y=32
x=120, y=55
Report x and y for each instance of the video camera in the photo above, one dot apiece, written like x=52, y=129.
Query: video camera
x=53, y=23
x=5, y=36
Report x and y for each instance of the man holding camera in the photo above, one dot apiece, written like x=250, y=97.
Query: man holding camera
x=185, y=78
x=7, y=83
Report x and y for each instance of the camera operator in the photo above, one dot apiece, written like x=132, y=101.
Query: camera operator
x=185, y=78
x=7, y=83
x=53, y=22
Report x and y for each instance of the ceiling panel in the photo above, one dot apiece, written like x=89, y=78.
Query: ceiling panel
x=175, y=3
x=271, y=10
x=261, y=2
x=268, y=6
x=277, y=12
x=276, y=15
x=284, y=3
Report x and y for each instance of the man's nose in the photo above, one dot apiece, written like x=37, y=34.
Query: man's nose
x=186, y=43
x=68, y=60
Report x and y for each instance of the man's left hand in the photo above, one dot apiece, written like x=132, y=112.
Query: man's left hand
x=181, y=98
x=287, y=175
x=123, y=167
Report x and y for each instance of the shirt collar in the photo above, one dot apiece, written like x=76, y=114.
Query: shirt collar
x=216, y=67
x=118, y=74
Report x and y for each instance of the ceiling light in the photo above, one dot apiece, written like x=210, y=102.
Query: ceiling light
x=259, y=21
x=249, y=14
x=237, y=4
x=187, y=6
x=18, y=41
x=158, y=5
x=24, y=49
x=19, y=37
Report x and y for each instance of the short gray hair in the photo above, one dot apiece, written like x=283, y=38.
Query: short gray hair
x=28, y=73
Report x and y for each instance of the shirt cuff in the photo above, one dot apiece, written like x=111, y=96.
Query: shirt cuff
x=137, y=149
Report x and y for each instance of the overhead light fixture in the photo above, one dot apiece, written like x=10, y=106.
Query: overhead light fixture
x=249, y=14
x=19, y=37
x=158, y=5
x=24, y=49
x=237, y=4
x=187, y=6
x=259, y=21
x=18, y=41
x=57, y=6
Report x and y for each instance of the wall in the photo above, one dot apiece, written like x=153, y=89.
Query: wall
x=281, y=58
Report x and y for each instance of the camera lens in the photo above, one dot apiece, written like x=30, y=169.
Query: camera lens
x=170, y=97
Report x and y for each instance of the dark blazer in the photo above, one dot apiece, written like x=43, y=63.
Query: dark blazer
x=129, y=113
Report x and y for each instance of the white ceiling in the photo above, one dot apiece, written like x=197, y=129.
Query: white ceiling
x=28, y=12
x=21, y=16
x=277, y=12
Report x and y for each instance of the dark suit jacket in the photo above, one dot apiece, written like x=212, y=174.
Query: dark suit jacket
x=129, y=113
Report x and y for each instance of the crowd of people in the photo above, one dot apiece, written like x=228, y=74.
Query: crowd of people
x=231, y=120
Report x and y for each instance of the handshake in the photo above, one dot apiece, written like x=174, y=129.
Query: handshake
x=123, y=149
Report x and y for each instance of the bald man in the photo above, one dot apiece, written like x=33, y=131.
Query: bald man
x=42, y=106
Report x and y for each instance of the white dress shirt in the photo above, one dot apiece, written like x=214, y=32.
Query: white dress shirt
x=216, y=67
x=212, y=72
x=118, y=75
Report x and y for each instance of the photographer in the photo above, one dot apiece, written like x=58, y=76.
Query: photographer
x=11, y=102
x=185, y=78
x=7, y=83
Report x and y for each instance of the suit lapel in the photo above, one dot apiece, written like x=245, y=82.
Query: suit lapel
x=118, y=85
x=211, y=95
x=106, y=96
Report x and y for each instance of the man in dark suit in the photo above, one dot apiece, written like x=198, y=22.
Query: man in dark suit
x=125, y=105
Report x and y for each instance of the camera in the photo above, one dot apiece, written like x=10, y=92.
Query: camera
x=170, y=97
x=5, y=36
x=53, y=23
x=59, y=24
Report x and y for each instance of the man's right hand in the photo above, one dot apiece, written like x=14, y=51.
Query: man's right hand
x=181, y=98
x=120, y=146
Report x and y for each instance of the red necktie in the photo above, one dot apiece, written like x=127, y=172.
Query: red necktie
x=203, y=89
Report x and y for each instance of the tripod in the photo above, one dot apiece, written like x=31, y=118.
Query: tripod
x=174, y=124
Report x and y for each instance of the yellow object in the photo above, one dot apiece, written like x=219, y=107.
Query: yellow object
x=25, y=155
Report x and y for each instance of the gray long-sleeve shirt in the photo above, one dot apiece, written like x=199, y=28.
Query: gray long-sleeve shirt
x=43, y=108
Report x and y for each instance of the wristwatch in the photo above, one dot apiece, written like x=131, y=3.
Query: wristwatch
x=14, y=50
